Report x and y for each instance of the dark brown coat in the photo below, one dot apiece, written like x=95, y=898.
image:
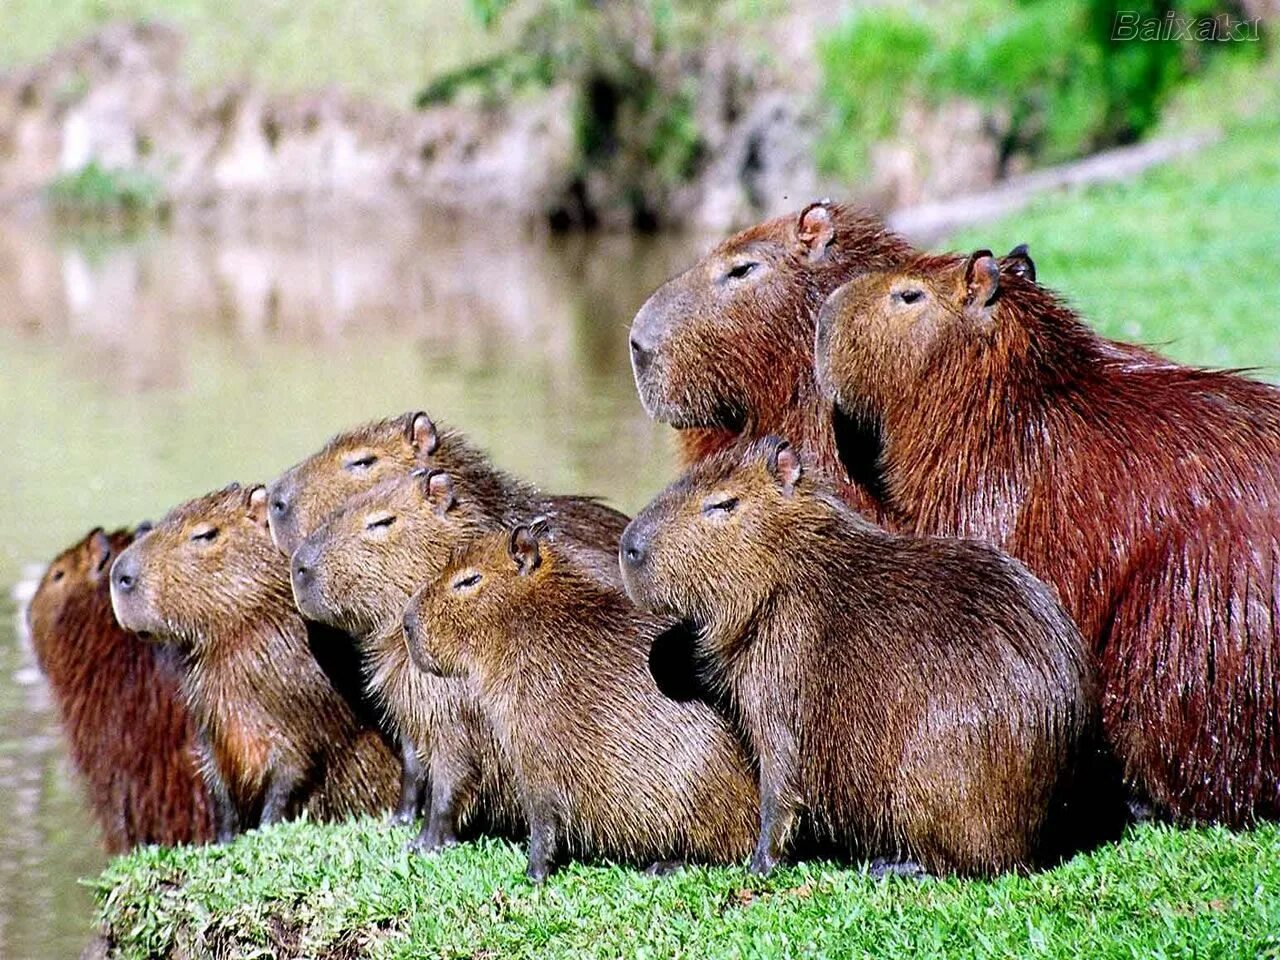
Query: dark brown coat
x=1146, y=491
x=278, y=736
x=119, y=701
x=920, y=700
x=607, y=766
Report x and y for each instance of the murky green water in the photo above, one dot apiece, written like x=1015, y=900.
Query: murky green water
x=137, y=372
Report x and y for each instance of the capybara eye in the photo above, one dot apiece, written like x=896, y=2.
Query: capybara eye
x=909, y=296
x=205, y=534
x=741, y=270
x=58, y=575
x=720, y=505
x=362, y=463
x=470, y=580
x=380, y=522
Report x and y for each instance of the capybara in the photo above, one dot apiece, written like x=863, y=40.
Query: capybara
x=923, y=702
x=355, y=461
x=1146, y=491
x=120, y=705
x=278, y=736
x=356, y=572
x=607, y=766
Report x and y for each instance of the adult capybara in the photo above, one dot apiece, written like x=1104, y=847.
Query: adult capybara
x=1148, y=492
x=925, y=702
x=356, y=572
x=354, y=461
x=725, y=350
x=607, y=766
x=120, y=705
x=278, y=736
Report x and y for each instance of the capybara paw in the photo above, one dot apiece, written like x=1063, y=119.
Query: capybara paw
x=663, y=868
x=402, y=817
x=538, y=870
x=762, y=862
x=882, y=867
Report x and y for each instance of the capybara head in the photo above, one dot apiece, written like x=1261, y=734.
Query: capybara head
x=349, y=464
x=359, y=567
x=74, y=575
x=469, y=607
x=733, y=335
x=717, y=539
x=879, y=335
x=209, y=564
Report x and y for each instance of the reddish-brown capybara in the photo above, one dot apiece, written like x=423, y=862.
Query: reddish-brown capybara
x=355, y=461
x=724, y=351
x=120, y=704
x=278, y=736
x=923, y=701
x=606, y=765
x=1146, y=491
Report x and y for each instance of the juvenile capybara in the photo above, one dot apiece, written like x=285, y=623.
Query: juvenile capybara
x=607, y=766
x=356, y=573
x=278, y=736
x=354, y=461
x=1146, y=491
x=924, y=702
x=120, y=705
x=724, y=351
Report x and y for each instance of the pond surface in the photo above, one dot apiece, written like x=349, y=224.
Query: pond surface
x=138, y=371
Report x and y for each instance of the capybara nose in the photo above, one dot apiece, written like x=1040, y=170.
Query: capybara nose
x=631, y=549
x=641, y=357
x=302, y=565
x=124, y=574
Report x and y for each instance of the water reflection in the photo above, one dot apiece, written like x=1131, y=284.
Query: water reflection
x=137, y=370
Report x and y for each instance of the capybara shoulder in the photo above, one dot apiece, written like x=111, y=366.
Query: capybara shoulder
x=1137, y=486
x=120, y=706
x=607, y=766
x=921, y=699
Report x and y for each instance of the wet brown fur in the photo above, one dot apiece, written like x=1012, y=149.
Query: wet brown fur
x=607, y=766
x=916, y=699
x=315, y=489
x=278, y=736
x=120, y=705
x=1147, y=491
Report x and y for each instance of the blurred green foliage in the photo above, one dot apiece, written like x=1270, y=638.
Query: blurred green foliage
x=98, y=191
x=1054, y=83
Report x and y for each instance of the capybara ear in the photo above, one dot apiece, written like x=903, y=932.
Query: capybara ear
x=437, y=488
x=255, y=504
x=524, y=550
x=1018, y=262
x=981, y=284
x=421, y=433
x=784, y=464
x=142, y=529
x=816, y=229
x=99, y=551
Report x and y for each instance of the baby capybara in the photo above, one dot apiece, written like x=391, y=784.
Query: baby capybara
x=355, y=573
x=923, y=701
x=607, y=766
x=725, y=350
x=278, y=736
x=1146, y=491
x=354, y=461
x=120, y=705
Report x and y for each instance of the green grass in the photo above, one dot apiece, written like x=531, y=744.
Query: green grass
x=338, y=890
x=386, y=50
